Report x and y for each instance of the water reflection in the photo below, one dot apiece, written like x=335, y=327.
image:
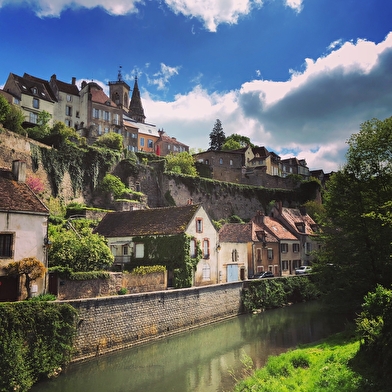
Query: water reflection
x=199, y=360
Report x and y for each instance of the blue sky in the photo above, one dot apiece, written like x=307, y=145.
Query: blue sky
x=296, y=76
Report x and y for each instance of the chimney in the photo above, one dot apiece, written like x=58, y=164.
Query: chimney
x=73, y=80
x=19, y=170
x=259, y=218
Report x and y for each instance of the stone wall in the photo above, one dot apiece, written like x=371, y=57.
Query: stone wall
x=71, y=289
x=113, y=323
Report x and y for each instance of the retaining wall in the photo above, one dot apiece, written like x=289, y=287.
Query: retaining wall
x=111, y=323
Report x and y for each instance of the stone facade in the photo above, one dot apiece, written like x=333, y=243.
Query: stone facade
x=113, y=323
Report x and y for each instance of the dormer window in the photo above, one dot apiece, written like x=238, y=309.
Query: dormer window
x=300, y=227
x=34, y=90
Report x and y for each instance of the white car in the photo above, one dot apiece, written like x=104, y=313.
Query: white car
x=304, y=269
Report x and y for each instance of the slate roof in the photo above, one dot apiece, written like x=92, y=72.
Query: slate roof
x=154, y=221
x=67, y=88
x=25, y=85
x=235, y=232
x=44, y=82
x=17, y=196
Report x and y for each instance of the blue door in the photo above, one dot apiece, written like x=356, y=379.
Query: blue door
x=232, y=273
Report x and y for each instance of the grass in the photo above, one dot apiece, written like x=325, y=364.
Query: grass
x=329, y=366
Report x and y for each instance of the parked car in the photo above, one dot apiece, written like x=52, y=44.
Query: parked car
x=304, y=269
x=266, y=274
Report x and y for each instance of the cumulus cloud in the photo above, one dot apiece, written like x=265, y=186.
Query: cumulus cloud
x=311, y=115
x=213, y=13
x=294, y=4
x=53, y=8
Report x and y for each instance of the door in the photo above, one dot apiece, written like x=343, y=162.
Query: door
x=8, y=288
x=232, y=273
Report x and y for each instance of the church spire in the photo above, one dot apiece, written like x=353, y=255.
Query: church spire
x=136, y=110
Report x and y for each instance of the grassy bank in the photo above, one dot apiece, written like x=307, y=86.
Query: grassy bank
x=334, y=364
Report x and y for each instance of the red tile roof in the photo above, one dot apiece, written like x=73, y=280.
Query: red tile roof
x=154, y=221
x=17, y=196
x=235, y=232
x=294, y=217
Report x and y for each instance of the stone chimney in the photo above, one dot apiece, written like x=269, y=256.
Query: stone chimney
x=19, y=170
x=73, y=80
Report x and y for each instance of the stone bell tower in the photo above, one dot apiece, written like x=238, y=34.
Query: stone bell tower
x=119, y=91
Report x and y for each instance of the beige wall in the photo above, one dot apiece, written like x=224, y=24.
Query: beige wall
x=225, y=258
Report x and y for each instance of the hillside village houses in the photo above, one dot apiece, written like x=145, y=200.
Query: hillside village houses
x=23, y=230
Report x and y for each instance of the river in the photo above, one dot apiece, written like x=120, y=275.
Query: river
x=200, y=360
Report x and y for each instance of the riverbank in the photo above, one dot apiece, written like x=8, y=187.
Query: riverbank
x=334, y=364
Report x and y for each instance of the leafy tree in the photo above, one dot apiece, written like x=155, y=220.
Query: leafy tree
x=29, y=267
x=4, y=109
x=113, y=184
x=182, y=162
x=236, y=141
x=356, y=244
x=14, y=120
x=81, y=251
x=217, y=136
x=42, y=129
x=60, y=134
x=110, y=140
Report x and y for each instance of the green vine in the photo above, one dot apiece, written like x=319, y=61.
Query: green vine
x=173, y=252
x=36, y=340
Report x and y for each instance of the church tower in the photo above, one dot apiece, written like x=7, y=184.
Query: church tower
x=119, y=92
x=136, y=110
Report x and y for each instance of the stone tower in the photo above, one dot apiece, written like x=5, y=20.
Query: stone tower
x=136, y=110
x=119, y=92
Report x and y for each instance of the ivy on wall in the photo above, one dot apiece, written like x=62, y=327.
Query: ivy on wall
x=173, y=252
x=86, y=165
x=36, y=340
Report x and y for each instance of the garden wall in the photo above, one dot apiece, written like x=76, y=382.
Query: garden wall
x=117, y=322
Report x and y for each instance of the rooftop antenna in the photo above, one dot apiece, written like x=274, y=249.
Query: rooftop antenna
x=120, y=79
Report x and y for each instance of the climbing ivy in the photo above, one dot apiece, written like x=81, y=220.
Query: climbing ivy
x=36, y=340
x=173, y=252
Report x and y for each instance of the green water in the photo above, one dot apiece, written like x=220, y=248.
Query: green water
x=200, y=360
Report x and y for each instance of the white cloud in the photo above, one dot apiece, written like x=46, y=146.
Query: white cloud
x=214, y=12
x=294, y=4
x=53, y=8
x=161, y=78
x=313, y=113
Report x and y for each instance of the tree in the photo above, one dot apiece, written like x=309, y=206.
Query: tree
x=113, y=184
x=235, y=142
x=217, y=137
x=110, y=140
x=356, y=244
x=81, y=251
x=42, y=129
x=14, y=120
x=182, y=162
x=29, y=267
x=4, y=109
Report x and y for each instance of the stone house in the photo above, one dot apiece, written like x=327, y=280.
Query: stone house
x=23, y=230
x=166, y=145
x=301, y=225
x=288, y=250
x=295, y=166
x=235, y=252
x=142, y=237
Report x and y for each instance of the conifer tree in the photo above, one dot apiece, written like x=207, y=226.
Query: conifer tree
x=217, y=136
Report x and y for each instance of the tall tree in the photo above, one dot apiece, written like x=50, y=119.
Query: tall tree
x=356, y=244
x=217, y=136
x=237, y=141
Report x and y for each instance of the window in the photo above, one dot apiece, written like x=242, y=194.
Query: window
x=150, y=143
x=139, y=251
x=67, y=122
x=69, y=98
x=16, y=101
x=6, y=245
x=33, y=118
x=99, y=129
x=193, y=248
x=220, y=161
x=134, y=136
x=258, y=255
x=270, y=253
x=106, y=115
x=199, y=225
x=68, y=110
x=125, y=250
x=206, y=249
x=234, y=255
x=296, y=248
x=300, y=227
x=284, y=248
x=206, y=272
x=231, y=162
x=95, y=113
x=106, y=130
x=285, y=265
x=35, y=103
x=308, y=247
x=115, y=119
x=142, y=141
